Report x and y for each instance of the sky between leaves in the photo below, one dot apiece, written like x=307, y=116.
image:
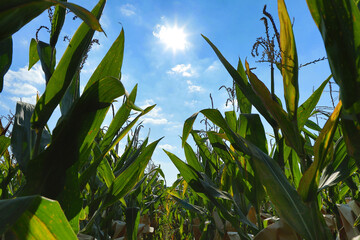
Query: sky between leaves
x=172, y=64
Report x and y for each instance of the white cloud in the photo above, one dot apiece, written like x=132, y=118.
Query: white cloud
x=31, y=99
x=173, y=127
x=158, y=121
x=22, y=89
x=3, y=105
x=214, y=66
x=127, y=10
x=154, y=116
x=167, y=147
x=34, y=76
x=182, y=69
x=23, y=85
x=24, y=42
x=191, y=104
x=194, y=88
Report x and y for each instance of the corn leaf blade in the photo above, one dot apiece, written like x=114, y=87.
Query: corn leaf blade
x=16, y=13
x=42, y=217
x=64, y=72
x=243, y=85
x=130, y=176
x=289, y=61
x=5, y=58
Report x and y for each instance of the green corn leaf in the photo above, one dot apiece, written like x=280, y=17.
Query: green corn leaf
x=188, y=127
x=127, y=160
x=206, y=190
x=312, y=125
x=243, y=85
x=339, y=24
x=306, y=109
x=185, y=204
x=192, y=159
x=71, y=94
x=190, y=175
x=292, y=162
x=4, y=144
x=118, y=121
x=33, y=53
x=289, y=61
x=220, y=148
x=64, y=72
x=243, y=103
x=288, y=127
x=57, y=24
x=209, y=161
x=70, y=199
x=16, y=13
x=232, y=120
x=132, y=217
x=340, y=168
x=111, y=63
x=34, y=216
x=5, y=58
x=91, y=170
x=351, y=132
x=323, y=151
x=252, y=130
x=46, y=174
x=47, y=56
x=110, y=66
x=130, y=176
x=286, y=200
x=103, y=169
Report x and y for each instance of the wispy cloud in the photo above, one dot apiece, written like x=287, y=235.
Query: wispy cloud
x=183, y=70
x=194, y=88
x=35, y=75
x=31, y=99
x=155, y=116
x=4, y=106
x=23, y=84
x=192, y=103
x=22, y=89
x=214, y=66
x=157, y=121
x=128, y=10
x=167, y=147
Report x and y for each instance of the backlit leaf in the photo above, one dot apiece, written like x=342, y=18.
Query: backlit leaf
x=323, y=150
x=16, y=13
x=34, y=216
x=64, y=72
x=289, y=61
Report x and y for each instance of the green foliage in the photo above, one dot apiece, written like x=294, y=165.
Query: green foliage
x=77, y=160
x=239, y=147
x=71, y=180
x=34, y=217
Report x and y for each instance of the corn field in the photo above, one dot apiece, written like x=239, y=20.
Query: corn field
x=71, y=182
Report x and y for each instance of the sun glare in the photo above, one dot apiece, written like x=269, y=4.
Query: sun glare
x=173, y=37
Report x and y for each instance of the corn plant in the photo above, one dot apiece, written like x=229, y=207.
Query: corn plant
x=301, y=173
x=59, y=167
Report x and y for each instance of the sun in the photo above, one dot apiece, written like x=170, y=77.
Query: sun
x=173, y=37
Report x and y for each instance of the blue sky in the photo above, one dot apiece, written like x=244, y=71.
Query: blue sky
x=178, y=82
